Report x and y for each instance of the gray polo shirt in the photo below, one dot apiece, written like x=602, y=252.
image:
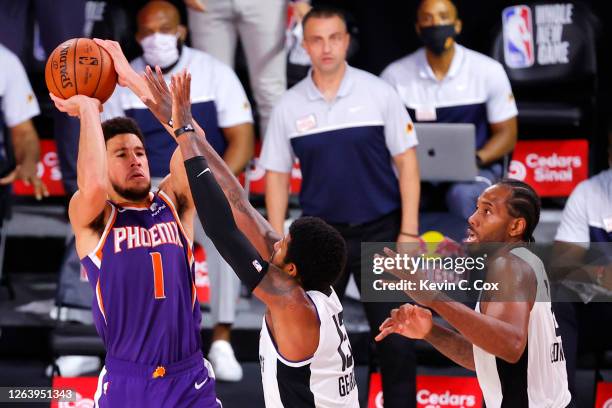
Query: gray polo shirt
x=345, y=147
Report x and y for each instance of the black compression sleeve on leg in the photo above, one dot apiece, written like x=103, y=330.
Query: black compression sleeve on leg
x=218, y=221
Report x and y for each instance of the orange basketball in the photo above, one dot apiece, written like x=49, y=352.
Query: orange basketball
x=80, y=66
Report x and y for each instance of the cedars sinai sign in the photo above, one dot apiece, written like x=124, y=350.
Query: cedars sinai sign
x=552, y=167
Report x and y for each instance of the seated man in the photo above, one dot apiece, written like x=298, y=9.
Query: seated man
x=221, y=105
x=18, y=106
x=447, y=83
x=586, y=219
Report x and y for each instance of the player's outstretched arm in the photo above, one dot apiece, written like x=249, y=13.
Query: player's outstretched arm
x=416, y=322
x=501, y=329
x=271, y=285
x=90, y=199
x=256, y=228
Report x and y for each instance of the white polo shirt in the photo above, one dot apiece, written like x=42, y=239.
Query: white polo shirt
x=17, y=100
x=345, y=147
x=217, y=97
x=475, y=90
x=587, y=216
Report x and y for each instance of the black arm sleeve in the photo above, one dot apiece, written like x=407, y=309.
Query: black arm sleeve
x=218, y=221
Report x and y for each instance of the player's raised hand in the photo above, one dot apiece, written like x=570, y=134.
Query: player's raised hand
x=73, y=105
x=180, y=88
x=160, y=100
x=125, y=72
x=409, y=321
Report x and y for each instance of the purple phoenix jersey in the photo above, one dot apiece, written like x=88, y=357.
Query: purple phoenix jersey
x=143, y=279
x=144, y=308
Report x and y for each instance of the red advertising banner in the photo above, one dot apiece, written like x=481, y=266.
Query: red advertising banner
x=85, y=388
x=257, y=174
x=202, y=280
x=434, y=392
x=603, y=397
x=552, y=167
x=48, y=171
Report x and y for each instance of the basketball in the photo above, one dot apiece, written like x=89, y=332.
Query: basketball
x=80, y=66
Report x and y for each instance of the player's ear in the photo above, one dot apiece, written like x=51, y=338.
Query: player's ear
x=517, y=227
x=458, y=26
x=182, y=32
x=291, y=269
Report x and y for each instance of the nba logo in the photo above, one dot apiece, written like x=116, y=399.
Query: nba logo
x=518, y=37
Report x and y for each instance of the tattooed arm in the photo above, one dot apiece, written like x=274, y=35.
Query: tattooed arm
x=257, y=229
x=291, y=317
x=259, y=232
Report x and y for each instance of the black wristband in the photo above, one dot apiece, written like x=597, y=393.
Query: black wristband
x=479, y=162
x=409, y=234
x=183, y=129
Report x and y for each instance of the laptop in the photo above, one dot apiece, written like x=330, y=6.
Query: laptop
x=447, y=151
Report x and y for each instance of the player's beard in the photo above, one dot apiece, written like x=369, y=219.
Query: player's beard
x=133, y=194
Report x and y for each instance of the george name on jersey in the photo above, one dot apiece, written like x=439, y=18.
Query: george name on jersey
x=346, y=384
x=138, y=237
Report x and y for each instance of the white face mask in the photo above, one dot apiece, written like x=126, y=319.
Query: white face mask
x=160, y=49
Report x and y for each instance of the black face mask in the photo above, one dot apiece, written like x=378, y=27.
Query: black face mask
x=435, y=37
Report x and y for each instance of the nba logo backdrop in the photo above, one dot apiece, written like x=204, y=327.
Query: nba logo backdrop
x=518, y=37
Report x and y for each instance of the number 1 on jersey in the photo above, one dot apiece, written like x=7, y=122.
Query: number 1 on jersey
x=158, y=275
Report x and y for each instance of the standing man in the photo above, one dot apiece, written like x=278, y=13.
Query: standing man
x=511, y=340
x=19, y=147
x=260, y=26
x=355, y=143
x=221, y=105
x=19, y=144
x=445, y=82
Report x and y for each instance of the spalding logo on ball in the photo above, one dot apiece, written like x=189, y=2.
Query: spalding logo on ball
x=80, y=66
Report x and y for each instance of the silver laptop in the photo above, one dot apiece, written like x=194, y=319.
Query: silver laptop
x=447, y=151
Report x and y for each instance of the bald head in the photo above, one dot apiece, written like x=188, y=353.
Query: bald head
x=159, y=8
x=159, y=16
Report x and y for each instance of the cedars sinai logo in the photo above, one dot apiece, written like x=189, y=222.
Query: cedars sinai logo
x=546, y=168
x=428, y=399
x=517, y=170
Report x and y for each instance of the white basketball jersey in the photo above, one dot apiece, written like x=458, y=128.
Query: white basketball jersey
x=539, y=378
x=326, y=380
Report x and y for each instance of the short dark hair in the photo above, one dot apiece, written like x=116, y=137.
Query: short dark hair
x=525, y=203
x=452, y=3
x=318, y=251
x=120, y=125
x=324, y=12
